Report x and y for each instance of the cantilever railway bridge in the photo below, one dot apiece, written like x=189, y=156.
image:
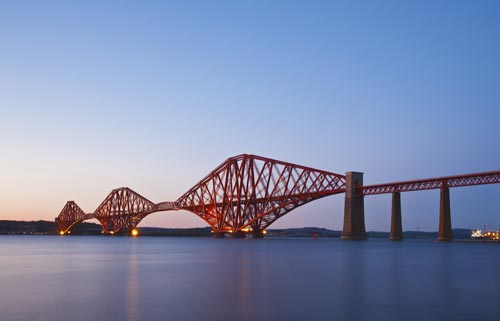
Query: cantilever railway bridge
x=247, y=193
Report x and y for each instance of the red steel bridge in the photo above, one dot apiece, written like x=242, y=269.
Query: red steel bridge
x=247, y=193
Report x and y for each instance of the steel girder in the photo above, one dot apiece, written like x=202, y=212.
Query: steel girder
x=249, y=191
x=433, y=183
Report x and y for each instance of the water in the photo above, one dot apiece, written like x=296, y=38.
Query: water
x=120, y=278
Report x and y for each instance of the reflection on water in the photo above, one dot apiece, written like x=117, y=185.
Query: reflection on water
x=132, y=281
x=118, y=278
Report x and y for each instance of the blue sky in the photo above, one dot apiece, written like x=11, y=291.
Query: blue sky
x=154, y=94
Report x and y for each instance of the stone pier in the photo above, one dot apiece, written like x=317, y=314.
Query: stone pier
x=354, y=209
x=444, y=233
x=396, y=225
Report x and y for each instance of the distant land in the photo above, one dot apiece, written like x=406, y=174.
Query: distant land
x=48, y=228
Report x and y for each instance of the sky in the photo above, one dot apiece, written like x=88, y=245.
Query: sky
x=153, y=95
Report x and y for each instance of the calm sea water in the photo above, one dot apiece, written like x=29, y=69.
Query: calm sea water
x=120, y=278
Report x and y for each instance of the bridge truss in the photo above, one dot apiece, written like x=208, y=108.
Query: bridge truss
x=245, y=193
x=251, y=192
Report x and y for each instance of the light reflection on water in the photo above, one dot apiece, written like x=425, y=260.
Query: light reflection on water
x=118, y=278
x=132, y=280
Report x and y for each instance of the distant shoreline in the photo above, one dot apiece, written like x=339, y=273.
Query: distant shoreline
x=12, y=227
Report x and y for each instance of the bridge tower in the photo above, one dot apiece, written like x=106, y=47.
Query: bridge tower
x=354, y=208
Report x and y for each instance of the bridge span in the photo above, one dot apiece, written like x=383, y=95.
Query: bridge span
x=247, y=193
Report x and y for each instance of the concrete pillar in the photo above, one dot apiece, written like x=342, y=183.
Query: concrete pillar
x=396, y=226
x=444, y=233
x=219, y=235
x=354, y=209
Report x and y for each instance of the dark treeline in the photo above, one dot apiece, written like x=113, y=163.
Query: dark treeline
x=44, y=228
x=27, y=227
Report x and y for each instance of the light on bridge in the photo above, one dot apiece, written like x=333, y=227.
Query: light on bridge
x=61, y=233
x=135, y=232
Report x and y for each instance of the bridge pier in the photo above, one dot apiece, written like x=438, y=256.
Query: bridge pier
x=238, y=235
x=257, y=234
x=445, y=234
x=396, y=226
x=354, y=209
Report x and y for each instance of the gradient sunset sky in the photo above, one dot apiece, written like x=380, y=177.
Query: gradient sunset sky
x=153, y=95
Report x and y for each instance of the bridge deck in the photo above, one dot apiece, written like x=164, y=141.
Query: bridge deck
x=432, y=183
